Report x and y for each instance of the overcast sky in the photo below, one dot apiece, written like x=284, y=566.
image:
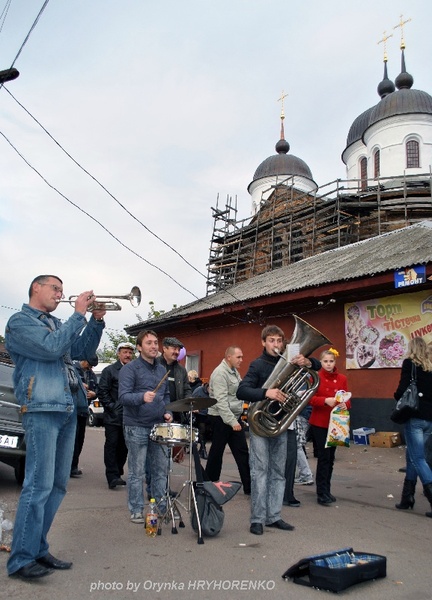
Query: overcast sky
x=168, y=104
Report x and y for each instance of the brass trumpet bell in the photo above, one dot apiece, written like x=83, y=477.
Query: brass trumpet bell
x=134, y=298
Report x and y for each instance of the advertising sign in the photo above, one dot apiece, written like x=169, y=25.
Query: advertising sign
x=377, y=331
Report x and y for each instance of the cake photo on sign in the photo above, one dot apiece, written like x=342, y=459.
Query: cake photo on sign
x=392, y=349
x=365, y=355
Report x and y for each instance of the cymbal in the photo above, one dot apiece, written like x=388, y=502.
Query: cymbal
x=187, y=404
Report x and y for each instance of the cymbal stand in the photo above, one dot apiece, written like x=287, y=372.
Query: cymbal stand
x=191, y=496
x=171, y=508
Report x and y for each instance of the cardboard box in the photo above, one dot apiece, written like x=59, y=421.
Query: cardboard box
x=361, y=435
x=385, y=439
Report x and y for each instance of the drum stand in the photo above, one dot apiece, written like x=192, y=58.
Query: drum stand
x=173, y=503
x=171, y=511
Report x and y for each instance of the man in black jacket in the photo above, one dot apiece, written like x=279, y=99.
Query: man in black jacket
x=178, y=380
x=268, y=455
x=115, y=450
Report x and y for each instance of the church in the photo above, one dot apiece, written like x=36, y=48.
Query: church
x=352, y=258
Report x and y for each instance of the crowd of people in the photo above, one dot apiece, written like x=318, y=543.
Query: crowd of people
x=54, y=384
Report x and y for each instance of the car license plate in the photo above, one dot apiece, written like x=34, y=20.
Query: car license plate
x=8, y=441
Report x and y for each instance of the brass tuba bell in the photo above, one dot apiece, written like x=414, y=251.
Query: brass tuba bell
x=270, y=418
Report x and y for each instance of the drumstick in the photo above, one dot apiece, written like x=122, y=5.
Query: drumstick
x=161, y=382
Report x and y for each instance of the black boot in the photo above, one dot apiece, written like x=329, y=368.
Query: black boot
x=407, y=499
x=428, y=493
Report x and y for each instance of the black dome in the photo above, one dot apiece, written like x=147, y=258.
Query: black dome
x=402, y=102
x=282, y=164
x=359, y=126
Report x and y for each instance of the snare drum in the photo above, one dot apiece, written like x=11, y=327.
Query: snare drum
x=173, y=434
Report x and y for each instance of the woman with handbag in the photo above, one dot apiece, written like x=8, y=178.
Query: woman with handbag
x=418, y=428
x=323, y=402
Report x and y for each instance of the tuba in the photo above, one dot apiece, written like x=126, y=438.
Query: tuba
x=270, y=418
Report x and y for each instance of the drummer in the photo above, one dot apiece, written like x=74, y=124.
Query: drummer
x=144, y=393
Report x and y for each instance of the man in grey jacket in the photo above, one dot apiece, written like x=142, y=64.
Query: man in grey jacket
x=225, y=418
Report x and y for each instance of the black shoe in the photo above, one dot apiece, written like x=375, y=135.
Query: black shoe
x=256, y=529
x=76, y=473
x=281, y=525
x=294, y=503
x=32, y=570
x=115, y=482
x=332, y=498
x=51, y=562
x=324, y=500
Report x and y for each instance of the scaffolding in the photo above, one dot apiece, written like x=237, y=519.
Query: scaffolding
x=291, y=225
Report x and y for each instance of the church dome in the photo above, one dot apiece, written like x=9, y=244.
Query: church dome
x=403, y=102
x=282, y=165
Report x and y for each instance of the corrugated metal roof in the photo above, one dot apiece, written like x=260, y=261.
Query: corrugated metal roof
x=388, y=252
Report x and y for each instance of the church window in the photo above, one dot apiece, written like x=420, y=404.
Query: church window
x=363, y=172
x=412, y=154
x=376, y=164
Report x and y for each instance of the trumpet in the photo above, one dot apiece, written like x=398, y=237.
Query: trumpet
x=134, y=298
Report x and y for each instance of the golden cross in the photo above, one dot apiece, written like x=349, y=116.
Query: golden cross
x=281, y=99
x=383, y=40
x=401, y=25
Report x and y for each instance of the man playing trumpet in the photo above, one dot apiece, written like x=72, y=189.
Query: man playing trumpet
x=50, y=393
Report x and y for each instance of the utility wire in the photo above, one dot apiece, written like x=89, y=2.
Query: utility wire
x=103, y=187
x=94, y=219
x=108, y=192
x=4, y=13
x=92, y=177
x=35, y=22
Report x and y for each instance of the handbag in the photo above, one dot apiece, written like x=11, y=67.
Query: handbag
x=408, y=403
x=337, y=570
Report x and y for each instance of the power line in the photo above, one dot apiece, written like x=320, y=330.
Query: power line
x=95, y=180
x=103, y=187
x=108, y=192
x=35, y=22
x=94, y=218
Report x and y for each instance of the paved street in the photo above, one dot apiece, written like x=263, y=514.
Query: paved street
x=114, y=559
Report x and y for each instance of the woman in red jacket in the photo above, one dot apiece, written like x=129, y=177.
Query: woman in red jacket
x=331, y=381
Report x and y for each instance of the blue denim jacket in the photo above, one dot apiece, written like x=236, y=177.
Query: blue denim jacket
x=40, y=376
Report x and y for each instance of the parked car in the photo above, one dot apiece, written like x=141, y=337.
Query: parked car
x=12, y=444
x=95, y=418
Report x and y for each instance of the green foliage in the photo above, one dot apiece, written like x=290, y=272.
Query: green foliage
x=153, y=313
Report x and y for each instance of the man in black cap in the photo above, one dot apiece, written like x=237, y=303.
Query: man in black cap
x=178, y=380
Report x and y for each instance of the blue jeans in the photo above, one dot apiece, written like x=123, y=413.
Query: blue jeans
x=139, y=444
x=417, y=432
x=50, y=439
x=267, y=457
